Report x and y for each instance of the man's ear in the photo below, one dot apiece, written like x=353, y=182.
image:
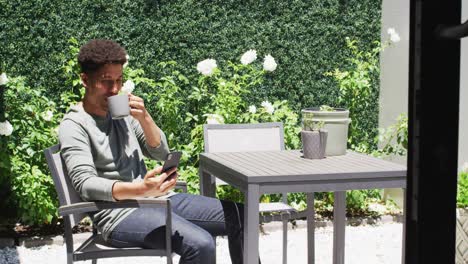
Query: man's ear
x=84, y=79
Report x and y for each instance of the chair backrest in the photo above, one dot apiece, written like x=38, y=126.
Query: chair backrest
x=66, y=193
x=243, y=137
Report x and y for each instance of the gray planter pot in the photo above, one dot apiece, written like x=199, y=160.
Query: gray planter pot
x=461, y=245
x=335, y=122
x=314, y=144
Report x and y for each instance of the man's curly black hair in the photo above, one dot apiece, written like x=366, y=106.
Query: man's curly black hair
x=99, y=52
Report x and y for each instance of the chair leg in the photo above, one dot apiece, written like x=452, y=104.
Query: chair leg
x=285, y=241
x=69, y=259
x=95, y=232
x=68, y=239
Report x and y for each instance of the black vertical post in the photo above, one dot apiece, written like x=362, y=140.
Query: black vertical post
x=2, y=102
x=434, y=84
x=5, y=185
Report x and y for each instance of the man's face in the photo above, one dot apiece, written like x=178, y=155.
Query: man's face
x=105, y=82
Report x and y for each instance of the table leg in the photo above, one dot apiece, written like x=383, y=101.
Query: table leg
x=251, y=222
x=310, y=229
x=207, y=184
x=339, y=226
x=284, y=199
x=285, y=241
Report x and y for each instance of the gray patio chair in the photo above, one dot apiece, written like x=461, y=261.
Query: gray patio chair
x=74, y=209
x=253, y=137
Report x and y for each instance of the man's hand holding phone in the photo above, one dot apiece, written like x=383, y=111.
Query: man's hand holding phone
x=159, y=185
x=155, y=185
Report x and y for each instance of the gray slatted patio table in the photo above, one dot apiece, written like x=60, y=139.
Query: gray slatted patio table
x=256, y=173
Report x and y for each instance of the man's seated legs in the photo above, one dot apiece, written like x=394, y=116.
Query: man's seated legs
x=195, y=220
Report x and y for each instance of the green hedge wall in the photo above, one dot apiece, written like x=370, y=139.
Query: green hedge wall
x=307, y=38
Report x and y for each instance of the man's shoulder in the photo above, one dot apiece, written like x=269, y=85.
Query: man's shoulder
x=75, y=114
x=74, y=122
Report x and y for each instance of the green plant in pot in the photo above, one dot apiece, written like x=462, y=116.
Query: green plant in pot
x=314, y=139
x=335, y=120
x=327, y=108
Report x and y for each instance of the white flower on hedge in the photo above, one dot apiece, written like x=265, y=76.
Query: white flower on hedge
x=3, y=79
x=128, y=87
x=206, y=67
x=47, y=116
x=269, y=63
x=394, y=37
x=214, y=119
x=252, y=109
x=222, y=83
x=126, y=63
x=248, y=57
x=269, y=108
x=6, y=128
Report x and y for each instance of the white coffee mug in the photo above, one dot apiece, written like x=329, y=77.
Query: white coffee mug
x=118, y=106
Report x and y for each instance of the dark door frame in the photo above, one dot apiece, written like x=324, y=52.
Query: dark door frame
x=434, y=84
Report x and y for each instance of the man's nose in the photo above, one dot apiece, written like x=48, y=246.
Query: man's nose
x=115, y=88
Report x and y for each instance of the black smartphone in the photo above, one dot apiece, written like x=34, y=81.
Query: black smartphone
x=172, y=161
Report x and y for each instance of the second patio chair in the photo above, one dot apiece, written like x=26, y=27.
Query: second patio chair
x=253, y=137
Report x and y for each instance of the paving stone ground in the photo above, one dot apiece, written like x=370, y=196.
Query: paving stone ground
x=365, y=244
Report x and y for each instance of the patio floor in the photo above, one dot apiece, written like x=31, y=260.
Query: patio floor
x=369, y=244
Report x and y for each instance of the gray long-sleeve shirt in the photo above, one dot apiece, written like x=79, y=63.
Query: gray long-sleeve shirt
x=98, y=152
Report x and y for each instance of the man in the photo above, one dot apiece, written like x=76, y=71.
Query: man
x=104, y=158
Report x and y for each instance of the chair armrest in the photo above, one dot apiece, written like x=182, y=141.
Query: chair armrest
x=85, y=207
x=181, y=185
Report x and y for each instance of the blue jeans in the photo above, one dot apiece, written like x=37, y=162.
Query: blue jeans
x=195, y=220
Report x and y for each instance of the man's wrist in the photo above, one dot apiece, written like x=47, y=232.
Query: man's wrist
x=141, y=188
x=147, y=119
x=151, y=131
